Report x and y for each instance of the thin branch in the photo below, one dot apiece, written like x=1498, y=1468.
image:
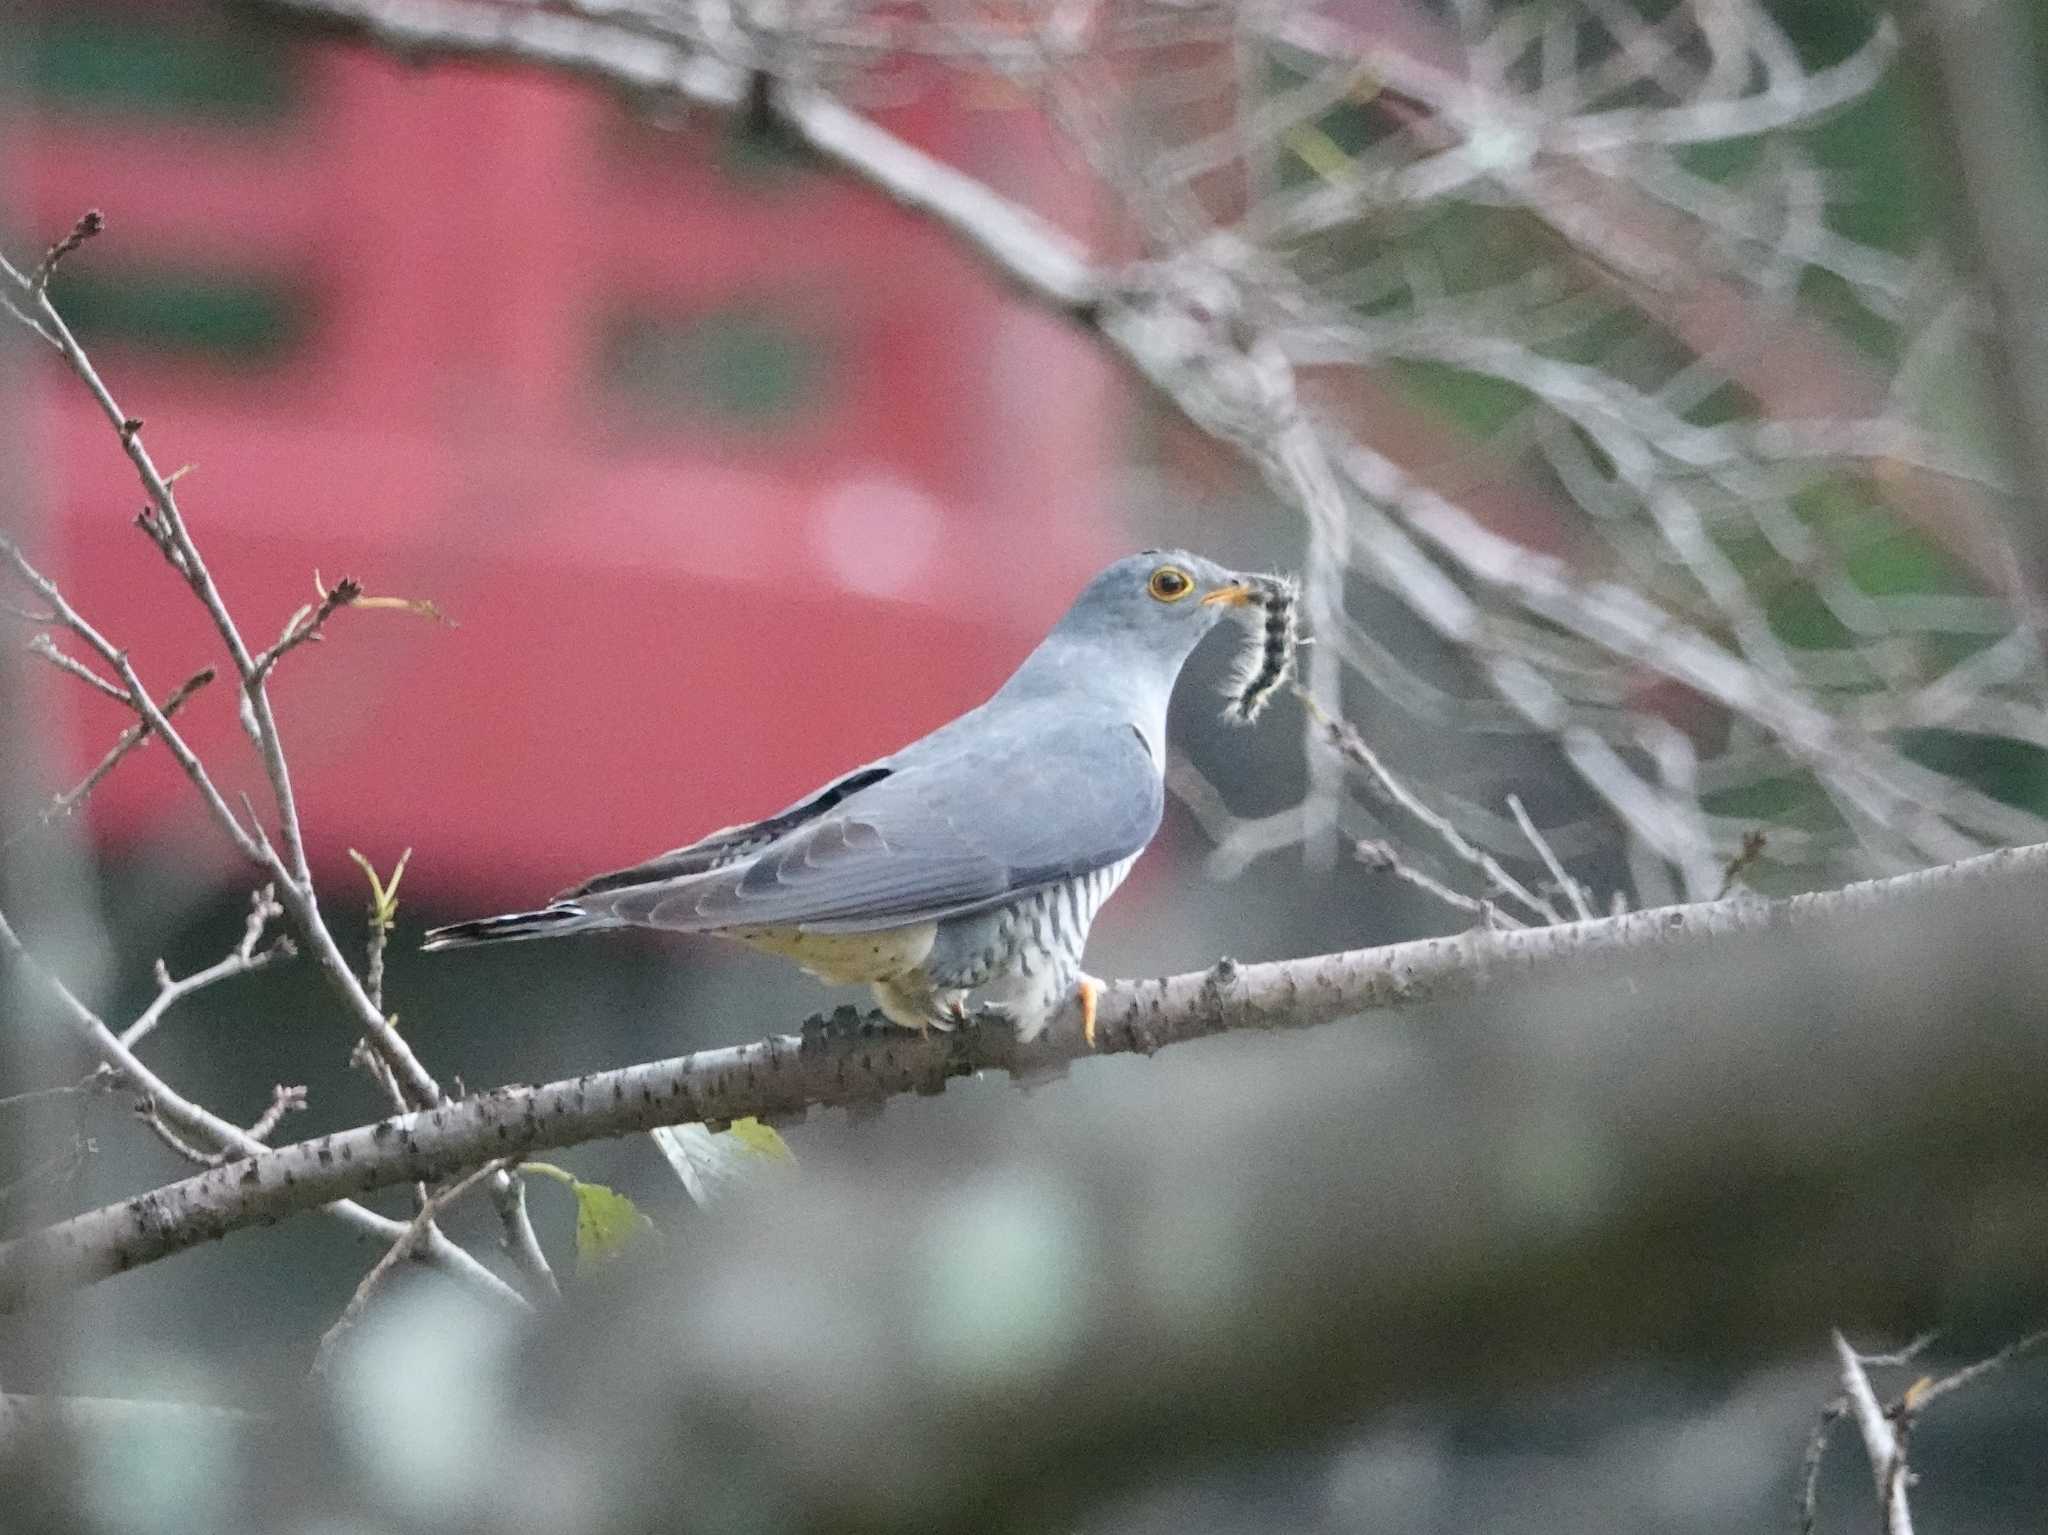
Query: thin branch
x=1884, y=1447
x=414, y=1236
x=1384, y=857
x=508, y=1195
x=786, y=1076
x=1345, y=739
x=243, y=959
x=304, y=626
x=98, y=1082
x=1888, y=1457
x=1924, y=1393
x=165, y=525
x=138, y=697
x=42, y=645
x=1573, y=890
x=518, y=1240
x=88, y=225
x=1810, y=1463
x=283, y=1100
x=136, y=735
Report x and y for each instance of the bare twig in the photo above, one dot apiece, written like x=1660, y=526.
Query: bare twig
x=1899, y=1419
x=165, y=525
x=244, y=959
x=1346, y=740
x=42, y=645
x=90, y=223
x=294, y=889
x=137, y=697
x=1810, y=1463
x=1881, y=1442
x=134, y=736
x=517, y=1238
x=283, y=1100
x=1925, y=1393
x=1753, y=845
x=519, y=1241
x=304, y=626
x=98, y=1081
x=1573, y=890
x=404, y=1248
x=1384, y=856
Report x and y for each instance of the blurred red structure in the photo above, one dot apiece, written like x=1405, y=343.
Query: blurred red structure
x=730, y=473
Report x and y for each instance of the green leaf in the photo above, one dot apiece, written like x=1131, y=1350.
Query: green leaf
x=762, y=1140
x=713, y=1165
x=608, y=1224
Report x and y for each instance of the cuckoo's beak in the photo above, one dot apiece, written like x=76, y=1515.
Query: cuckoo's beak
x=1238, y=594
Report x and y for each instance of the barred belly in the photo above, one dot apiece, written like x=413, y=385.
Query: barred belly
x=1022, y=960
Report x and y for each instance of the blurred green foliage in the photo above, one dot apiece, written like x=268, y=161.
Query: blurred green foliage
x=123, y=60
x=214, y=315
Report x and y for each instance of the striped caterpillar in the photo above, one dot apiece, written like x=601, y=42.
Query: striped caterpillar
x=1268, y=659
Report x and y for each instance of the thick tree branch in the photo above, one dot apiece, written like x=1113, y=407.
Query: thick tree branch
x=786, y=1076
x=995, y=1322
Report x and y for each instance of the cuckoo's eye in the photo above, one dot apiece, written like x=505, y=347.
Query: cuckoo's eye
x=1170, y=583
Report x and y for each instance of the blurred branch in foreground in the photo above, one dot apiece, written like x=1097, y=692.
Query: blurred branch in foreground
x=995, y=1321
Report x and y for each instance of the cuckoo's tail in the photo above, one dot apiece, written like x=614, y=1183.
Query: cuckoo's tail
x=550, y=923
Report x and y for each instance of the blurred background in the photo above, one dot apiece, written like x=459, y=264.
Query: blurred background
x=723, y=473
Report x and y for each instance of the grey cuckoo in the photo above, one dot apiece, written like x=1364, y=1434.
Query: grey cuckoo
x=965, y=869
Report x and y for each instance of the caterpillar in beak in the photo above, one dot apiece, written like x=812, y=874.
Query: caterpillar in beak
x=1267, y=660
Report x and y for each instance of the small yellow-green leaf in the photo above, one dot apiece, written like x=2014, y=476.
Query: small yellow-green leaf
x=762, y=1140
x=607, y=1224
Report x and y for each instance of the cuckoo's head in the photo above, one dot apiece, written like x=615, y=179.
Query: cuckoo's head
x=1154, y=607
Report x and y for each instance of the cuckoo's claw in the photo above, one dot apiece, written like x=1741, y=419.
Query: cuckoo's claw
x=1089, y=990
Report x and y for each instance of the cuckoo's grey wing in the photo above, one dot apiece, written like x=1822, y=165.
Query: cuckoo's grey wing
x=731, y=844
x=943, y=833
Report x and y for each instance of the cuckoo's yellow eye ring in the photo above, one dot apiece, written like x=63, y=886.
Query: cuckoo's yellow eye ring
x=1170, y=583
